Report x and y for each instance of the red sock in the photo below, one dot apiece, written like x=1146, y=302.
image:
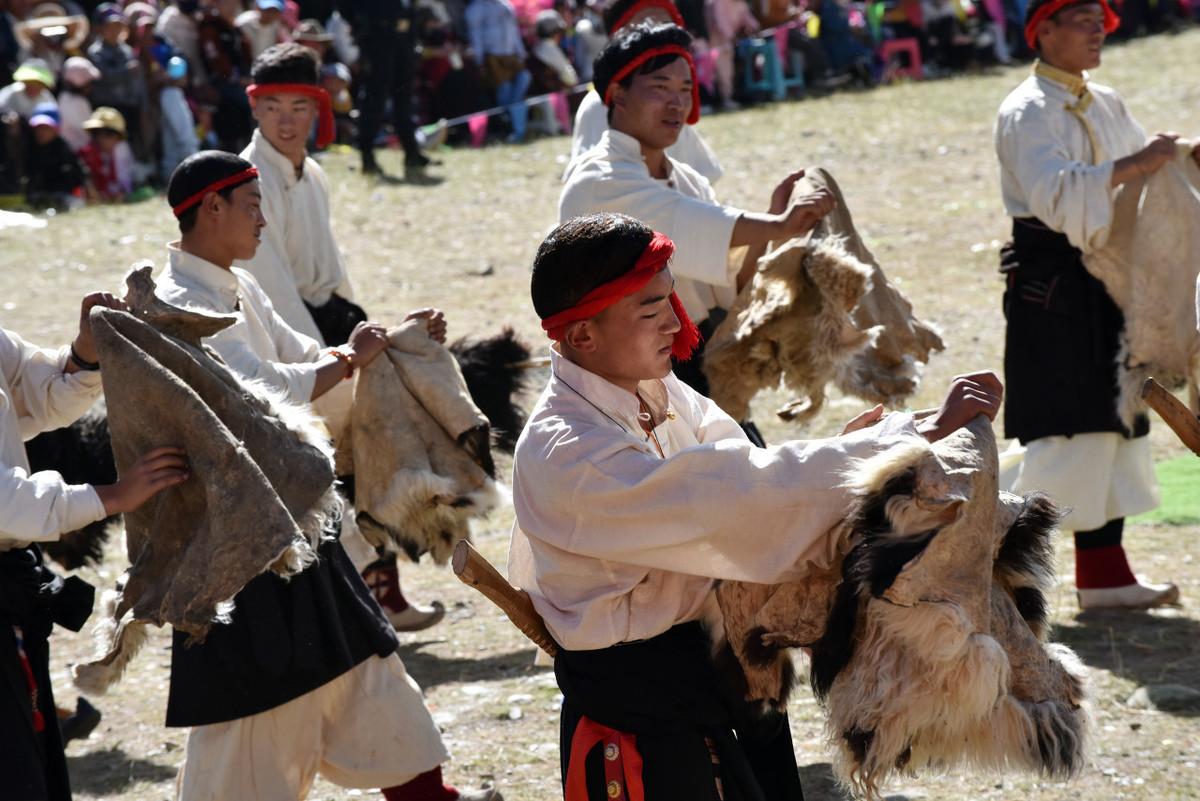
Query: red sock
x=426, y=787
x=1099, y=568
x=384, y=583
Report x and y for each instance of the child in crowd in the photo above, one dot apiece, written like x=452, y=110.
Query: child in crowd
x=178, y=125
x=106, y=157
x=53, y=177
x=74, y=104
x=262, y=25
x=335, y=78
x=121, y=84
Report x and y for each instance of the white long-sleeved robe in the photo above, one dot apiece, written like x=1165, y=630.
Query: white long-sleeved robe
x=591, y=121
x=37, y=395
x=615, y=543
x=613, y=177
x=298, y=260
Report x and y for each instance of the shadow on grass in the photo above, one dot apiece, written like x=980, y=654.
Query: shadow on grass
x=110, y=770
x=1143, y=647
x=430, y=670
x=819, y=784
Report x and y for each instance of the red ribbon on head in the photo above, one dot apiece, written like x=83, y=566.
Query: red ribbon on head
x=326, y=129
x=1111, y=20
x=652, y=261
x=637, y=8
x=215, y=186
x=655, y=52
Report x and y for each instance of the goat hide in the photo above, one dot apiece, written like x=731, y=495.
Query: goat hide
x=819, y=310
x=260, y=492
x=1148, y=265
x=928, y=640
x=418, y=448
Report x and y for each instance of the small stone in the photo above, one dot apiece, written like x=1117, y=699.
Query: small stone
x=1165, y=698
x=515, y=713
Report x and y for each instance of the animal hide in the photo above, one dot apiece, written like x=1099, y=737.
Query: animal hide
x=260, y=492
x=494, y=370
x=819, y=310
x=1149, y=263
x=418, y=448
x=929, y=638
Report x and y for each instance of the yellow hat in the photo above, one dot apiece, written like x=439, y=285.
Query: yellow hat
x=105, y=118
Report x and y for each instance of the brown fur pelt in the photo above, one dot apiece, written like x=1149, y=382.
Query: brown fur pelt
x=1149, y=265
x=818, y=311
x=260, y=492
x=418, y=448
x=928, y=639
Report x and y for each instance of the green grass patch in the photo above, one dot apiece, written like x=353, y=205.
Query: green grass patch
x=1180, y=482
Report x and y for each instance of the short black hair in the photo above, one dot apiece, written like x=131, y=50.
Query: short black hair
x=198, y=171
x=630, y=43
x=286, y=63
x=614, y=11
x=582, y=254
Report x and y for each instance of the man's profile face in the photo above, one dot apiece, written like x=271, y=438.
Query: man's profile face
x=1071, y=40
x=286, y=119
x=656, y=105
x=634, y=336
x=242, y=220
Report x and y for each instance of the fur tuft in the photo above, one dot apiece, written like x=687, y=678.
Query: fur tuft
x=491, y=368
x=117, y=641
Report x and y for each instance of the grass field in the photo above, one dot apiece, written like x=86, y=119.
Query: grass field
x=916, y=164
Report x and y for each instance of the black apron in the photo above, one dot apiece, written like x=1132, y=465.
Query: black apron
x=1061, y=342
x=667, y=692
x=286, y=638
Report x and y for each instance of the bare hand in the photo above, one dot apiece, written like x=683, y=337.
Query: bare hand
x=806, y=212
x=435, y=323
x=783, y=193
x=864, y=420
x=367, y=341
x=1158, y=152
x=84, y=345
x=150, y=475
x=969, y=396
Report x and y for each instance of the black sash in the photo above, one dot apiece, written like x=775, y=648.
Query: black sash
x=1061, y=342
x=336, y=319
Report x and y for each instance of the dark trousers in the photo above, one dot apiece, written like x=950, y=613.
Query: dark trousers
x=388, y=60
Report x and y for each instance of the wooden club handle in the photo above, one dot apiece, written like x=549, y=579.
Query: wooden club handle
x=473, y=569
x=1176, y=414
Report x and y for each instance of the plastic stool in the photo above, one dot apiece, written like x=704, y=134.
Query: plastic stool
x=772, y=80
x=909, y=46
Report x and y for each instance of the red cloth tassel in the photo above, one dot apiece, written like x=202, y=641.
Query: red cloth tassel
x=39, y=721
x=622, y=763
x=687, y=338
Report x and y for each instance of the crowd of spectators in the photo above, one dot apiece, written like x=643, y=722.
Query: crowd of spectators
x=100, y=101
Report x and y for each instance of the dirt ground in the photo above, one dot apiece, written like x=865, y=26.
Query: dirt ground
x=917, y=167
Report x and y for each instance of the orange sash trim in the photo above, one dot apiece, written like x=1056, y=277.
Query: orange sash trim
x=622, y=763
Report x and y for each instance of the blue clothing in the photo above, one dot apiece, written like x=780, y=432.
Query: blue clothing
x=493, y=30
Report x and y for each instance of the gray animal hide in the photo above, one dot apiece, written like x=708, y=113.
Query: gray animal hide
x=1149, y=264
x=259, y=493
x=418, y=448
x=928, y=638
x=819, y=310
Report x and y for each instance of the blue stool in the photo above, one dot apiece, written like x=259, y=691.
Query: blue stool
x=772, y=80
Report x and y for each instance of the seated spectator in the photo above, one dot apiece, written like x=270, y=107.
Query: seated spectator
x=225, y=54
x=262, y=25
x=949, y=42
x=548, y=63
x=53, y=177
x=846, y=54
x=178, y=125
x=447, y=85
x=179, y=26
x=500, y=53
x=335, y=78
x=312, y=34
x=29, y=90
x=51, y=34
x=121, y=84
x=74, y=103
x=590, y=38
x=728, y=21
x=109, y=170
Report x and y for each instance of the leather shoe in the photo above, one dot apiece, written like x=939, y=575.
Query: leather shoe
x=482, y=794
x=415, y=618
x=1131, y=596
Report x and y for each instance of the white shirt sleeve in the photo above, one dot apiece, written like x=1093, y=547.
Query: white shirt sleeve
x=44, y=396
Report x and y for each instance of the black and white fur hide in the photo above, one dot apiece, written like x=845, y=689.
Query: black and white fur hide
x=494, y=375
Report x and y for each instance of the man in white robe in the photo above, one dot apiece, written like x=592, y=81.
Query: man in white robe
x=634, y=493
x=1065, y=144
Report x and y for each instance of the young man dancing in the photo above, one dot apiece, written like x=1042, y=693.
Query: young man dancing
x=633, y=493
x=305, y=678
x=1065, y=144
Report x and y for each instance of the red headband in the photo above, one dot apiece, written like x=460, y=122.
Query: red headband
x=326, y=129
x=637, y=8
x=655, y=52
x=653, y=259
x=1111, y=20
x=216, y=186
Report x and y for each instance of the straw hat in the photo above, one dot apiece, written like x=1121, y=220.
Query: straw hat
x=50, y=20
x=105, y=119
x=311, y=30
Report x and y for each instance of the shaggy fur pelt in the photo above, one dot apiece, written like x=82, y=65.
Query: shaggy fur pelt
x=1149, y=264
x=418, y=448
x=82, y=454
x=494, y=375
x=259, y=497
x=818, y=311
x=928, y=639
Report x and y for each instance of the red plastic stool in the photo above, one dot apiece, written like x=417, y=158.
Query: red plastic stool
x=893, y=47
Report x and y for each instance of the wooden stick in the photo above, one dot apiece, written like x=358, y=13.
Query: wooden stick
x=1176, y=414
x=473, y=569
